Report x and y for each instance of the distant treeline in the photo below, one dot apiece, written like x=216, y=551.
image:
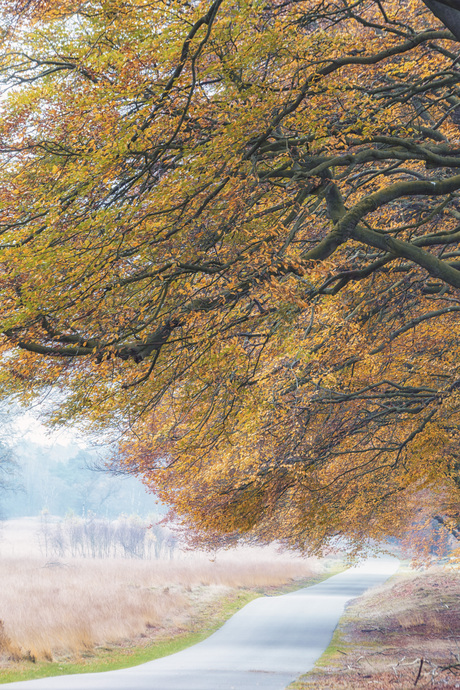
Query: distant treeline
x=61, y=479
x=95, y=537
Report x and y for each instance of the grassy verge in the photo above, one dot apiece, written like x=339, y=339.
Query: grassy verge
x=405, y=634
x=114, y=657
x=109, y=658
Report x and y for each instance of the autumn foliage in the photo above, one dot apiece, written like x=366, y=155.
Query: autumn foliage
x=230, y=231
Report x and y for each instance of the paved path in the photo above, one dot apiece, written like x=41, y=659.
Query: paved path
x=267, y=644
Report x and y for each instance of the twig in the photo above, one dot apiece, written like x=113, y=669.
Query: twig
x=419, y=672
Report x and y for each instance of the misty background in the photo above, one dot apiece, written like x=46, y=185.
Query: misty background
x=61, y=474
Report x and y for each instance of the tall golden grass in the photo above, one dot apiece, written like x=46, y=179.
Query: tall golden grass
x=59, y=609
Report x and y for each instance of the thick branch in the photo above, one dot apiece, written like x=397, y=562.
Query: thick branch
x=137, y=350
x=448, y=11
x=350, y=226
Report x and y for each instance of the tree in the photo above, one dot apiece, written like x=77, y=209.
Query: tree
x=231, y=231
x=8, y=460
x=7, y=472
x=448, y=12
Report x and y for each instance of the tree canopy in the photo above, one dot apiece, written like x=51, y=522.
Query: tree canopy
x=230, y=231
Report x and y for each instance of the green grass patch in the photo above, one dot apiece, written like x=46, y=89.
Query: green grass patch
x=112, y=658
x=109, y=658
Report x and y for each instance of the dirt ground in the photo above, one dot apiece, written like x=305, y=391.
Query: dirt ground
x=406, y=634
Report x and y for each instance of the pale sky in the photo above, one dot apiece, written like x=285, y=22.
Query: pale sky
x=28, y=427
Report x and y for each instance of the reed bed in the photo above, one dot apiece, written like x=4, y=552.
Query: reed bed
x=62, y=609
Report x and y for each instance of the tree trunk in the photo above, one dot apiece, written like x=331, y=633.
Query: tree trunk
x=448, y=11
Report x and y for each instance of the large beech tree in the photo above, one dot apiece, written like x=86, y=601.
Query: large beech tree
x=230, y=231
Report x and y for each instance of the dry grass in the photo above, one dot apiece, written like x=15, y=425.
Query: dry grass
x=386, y=634
x=57, y=610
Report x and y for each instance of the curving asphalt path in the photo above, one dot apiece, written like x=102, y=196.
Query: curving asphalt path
x=267, y=644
